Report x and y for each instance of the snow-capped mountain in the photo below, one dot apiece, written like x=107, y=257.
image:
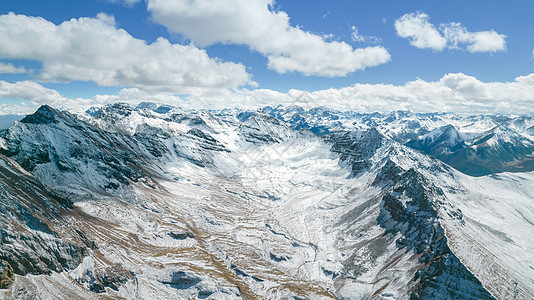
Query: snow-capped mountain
x=156, y=202
x=475, y=145
x=443, y=140
x=496, y=150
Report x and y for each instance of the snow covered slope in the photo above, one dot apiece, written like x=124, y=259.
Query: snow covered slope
x=168, y=204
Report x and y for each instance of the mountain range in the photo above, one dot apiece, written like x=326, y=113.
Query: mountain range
x=158, y=202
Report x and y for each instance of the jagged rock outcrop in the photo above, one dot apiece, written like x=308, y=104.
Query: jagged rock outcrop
x=6, y=275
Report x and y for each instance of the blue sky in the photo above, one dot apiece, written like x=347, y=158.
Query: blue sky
x=469, y=51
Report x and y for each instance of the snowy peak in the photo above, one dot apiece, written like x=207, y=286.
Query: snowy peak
x=500, y=135
x=443, y=140
x=262, y=128
x=459, y=140
x=504, y=145
x=119, y=108
x=447, y=134
x=72, y=148
x=398, y=115
x=496, y=150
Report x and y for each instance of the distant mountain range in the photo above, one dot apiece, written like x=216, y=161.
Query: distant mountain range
x=157, y=202
x=475, y=145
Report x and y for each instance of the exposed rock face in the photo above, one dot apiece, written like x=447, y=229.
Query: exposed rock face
x=6, y=275
x=97, y=280
x=44, y=115
x=416, y=219
x=358, y=148
x=261, y=128
x=35, y=236
x=78, y=152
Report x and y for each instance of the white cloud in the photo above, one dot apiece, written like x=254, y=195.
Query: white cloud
x=420, y=31
x=424, y=35
x=482, y=41
x=455, y=92
x=256, y=24
x=31, y=95
x=92, y=49
x=11, y=69
x=16, y=109
x=356, y=36
x=452, y=93
x=32, y=91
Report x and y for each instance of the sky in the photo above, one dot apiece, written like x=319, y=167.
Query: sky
x=426, y=56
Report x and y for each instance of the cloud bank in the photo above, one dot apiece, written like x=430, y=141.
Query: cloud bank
x=455, y=92
x=93, y=49
x=256, y=24
x=424, y=35
x=34, y=95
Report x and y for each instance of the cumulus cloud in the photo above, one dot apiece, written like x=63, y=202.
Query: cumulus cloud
x=420, y=31
x=424, y=35
x=31, y=95
x=30, y=90
x=93, y=49
x=455, y=92
x=258, y=25
x=11, y=69
x=482, y=41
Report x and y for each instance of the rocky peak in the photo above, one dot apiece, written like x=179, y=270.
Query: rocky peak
x=119, y=108
x=262, y=128
x=398, y=115
x=44, y=115
x=357, y=147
